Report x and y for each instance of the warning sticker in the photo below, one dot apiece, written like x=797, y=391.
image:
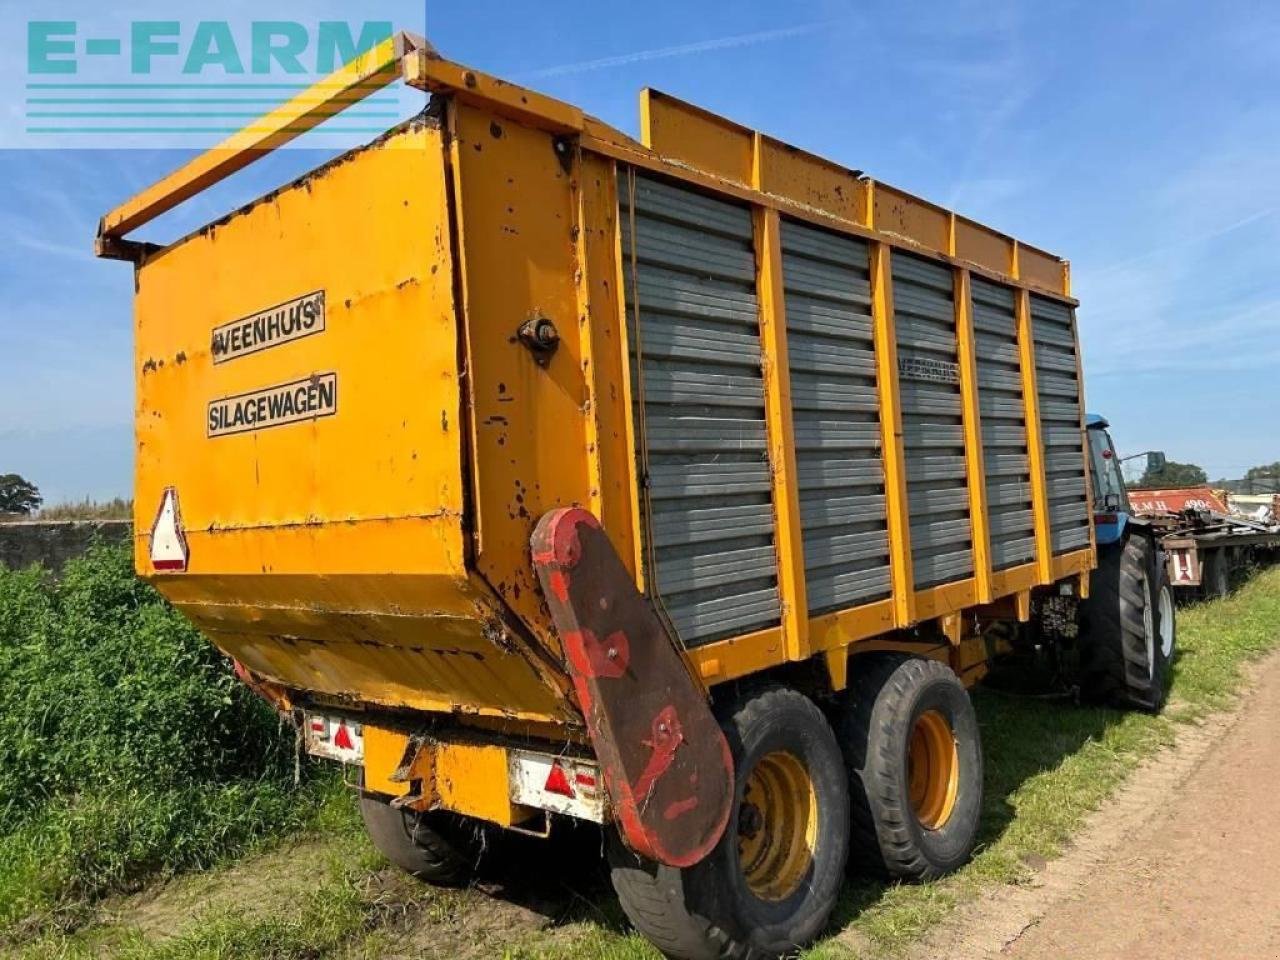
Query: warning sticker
x=927, y=368
x=308, y=399
x=285, y=322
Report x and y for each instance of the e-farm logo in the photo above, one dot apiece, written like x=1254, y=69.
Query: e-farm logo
x=187, y=78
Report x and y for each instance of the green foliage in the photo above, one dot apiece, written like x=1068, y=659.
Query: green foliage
x=1266, y=471
x=86, y=509
x=127, y=747
x=1174, y=474
x=18, y=495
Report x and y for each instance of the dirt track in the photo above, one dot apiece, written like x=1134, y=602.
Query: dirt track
x=1185, y=862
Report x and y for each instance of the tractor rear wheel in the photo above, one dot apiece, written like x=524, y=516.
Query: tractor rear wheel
x=1122, y=655
x=770, y=884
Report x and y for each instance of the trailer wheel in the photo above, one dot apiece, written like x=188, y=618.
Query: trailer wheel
x=439, y=847
x=914, y=758
x=770, y=884
x=1119, y=656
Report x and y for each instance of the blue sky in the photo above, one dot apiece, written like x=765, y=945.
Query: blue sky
x=1139, y=140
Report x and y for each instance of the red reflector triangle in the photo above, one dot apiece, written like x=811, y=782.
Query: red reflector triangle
x=342, y=739
x=557, y=782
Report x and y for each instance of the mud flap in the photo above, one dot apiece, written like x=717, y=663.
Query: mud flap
x=667, y=766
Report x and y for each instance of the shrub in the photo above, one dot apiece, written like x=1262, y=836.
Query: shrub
x=127, y=747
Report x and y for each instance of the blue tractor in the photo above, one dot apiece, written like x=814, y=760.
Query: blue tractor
x=1127, y=630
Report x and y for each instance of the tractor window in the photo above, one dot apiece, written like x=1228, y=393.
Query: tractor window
x=1108, y=486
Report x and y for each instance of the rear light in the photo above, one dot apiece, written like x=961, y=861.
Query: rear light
x=558, y=782
x=342, y=739
x=1102, y=518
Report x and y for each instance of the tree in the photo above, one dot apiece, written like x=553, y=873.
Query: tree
x=1264, y=478
x=1175, y=474
x=18, y=495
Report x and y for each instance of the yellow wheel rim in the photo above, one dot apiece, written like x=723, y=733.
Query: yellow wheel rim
x=933, y=770
x=777, y=826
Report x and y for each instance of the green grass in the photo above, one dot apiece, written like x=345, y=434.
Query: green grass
x=1049, y=764
x=128, y=751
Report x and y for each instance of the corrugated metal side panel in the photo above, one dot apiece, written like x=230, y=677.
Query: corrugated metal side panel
x=1053, y=328
x=835, y=412
x=932, y=426
x=1010, y=519
x=700, y=409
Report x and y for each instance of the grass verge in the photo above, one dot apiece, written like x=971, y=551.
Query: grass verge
x=128, y=751
x=1048, y=765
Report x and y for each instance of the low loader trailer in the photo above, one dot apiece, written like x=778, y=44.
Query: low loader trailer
x=1208, y=548
x=683, y=485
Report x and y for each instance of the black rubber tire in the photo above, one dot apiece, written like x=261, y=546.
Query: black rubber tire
x=1164, y=658
x=440, y=848
x=1114, y=664
x=887, y=693
x=707, y=911
x=1215, y=583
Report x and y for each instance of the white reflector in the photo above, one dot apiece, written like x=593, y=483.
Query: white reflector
x=168, y=545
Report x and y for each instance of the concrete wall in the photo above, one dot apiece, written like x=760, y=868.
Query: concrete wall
x=54, y=542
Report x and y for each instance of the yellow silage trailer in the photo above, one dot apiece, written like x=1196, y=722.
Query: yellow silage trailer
x=681, y=485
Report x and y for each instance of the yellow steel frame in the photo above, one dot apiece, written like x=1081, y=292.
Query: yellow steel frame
x=972, y=418
x=1035, y=437
x=893, y=457
x=782, y=453
x=687, y=144
x=365, y=75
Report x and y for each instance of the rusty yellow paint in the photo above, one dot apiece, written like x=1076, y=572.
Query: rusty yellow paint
x=1035, y=437
x=621, y=361
x=844, y=627
x=467, y=777
x=951, y=626
x=1069, y=564
x=1014, y=579
x=899, y=214
x=610, y=143
x=1043, y=270
x=902, y=643
x=529, y=423
x=613, y=496
x=318, y=569
x=837, y=661
x=945, y=598
x=473, y=779
x=973, y=447
x=688, y=134
x=365, y=75
x=969, y=659
x=891, y=449
x=1084, y=435
x=383, y=751
x=1022, y=601
x=427, y=71
x=692, y=137
x=739, y=656
x=782, y=454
